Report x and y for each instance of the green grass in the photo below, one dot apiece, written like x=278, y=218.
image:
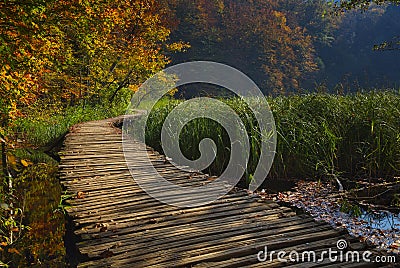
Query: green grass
x=319, y=135
x=39, y=131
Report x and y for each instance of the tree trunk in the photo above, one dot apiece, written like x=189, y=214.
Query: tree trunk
x=120, y=86
x=7, y=177
x=3, y=153
x=3, y=157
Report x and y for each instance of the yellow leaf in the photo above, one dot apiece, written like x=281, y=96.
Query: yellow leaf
x=25, y=163
x=12, y=160
x=134, y=88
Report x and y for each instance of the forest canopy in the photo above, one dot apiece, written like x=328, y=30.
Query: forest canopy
x=64, y=51
x=287, y=46
x=266, y=39
x=352, y=4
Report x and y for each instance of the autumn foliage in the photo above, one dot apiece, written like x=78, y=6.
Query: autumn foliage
x=254, y=36
x=63, y=51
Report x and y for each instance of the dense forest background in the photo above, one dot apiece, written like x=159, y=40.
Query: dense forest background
x=289, y=47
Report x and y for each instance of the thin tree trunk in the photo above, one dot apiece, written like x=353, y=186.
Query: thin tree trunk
x=3, y=156
x=7, y=175
x=3, y=152
x=120, y=86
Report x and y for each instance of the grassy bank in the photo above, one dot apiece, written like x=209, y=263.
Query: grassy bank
x=40, y=129
x=319, y=135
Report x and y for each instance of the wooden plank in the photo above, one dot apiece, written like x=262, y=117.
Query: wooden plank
x=251, y=260
x=197, y=239
x=227, y=248
x=164, y=215
x=196, y=229
x=124, y=229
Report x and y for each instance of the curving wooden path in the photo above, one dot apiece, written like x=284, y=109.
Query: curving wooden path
x=119, y=225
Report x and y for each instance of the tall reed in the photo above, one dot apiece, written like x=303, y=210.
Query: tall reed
x=318, y=135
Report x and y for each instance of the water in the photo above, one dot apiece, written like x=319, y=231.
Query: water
x=383, y=220
x=321, y=201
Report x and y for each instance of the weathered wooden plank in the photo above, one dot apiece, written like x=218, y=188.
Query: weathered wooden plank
x=196, y=239
x=124, y=229
x=164, y=215
x=225, y=249
x=251, y=260
x=140, y=201
x=196, y=229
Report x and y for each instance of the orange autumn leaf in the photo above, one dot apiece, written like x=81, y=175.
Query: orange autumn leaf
x=80, y=195
x=12, y=160
x=25, y=163
x=13, y=250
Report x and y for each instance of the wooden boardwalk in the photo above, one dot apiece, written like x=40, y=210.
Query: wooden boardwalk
x=119, y=225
